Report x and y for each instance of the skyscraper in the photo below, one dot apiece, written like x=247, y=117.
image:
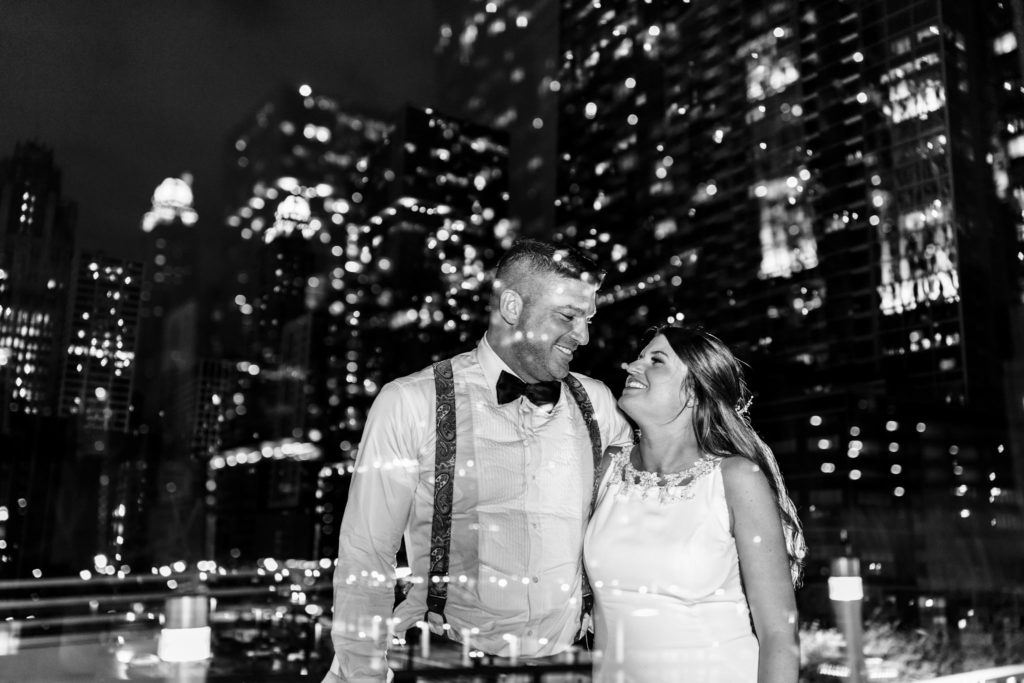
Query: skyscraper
x=820, y=177
x=497, y=63
x=439, y=213
x=171, y=284
x=415, y=280
x=68, y=327
x=36, y=247
x=171, y=240
x=297, y=176
x=378, y=235
x=99, y=367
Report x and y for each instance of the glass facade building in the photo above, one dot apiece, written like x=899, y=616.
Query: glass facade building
x=371, y=235
x=497, y=63
x=36, y=248
x=439, y=211
x=103, y=321
x=418, y=274
x=814, y=182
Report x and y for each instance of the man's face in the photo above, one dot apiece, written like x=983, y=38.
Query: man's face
x=552, y=325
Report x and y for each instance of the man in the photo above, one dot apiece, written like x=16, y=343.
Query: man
x=521, y=481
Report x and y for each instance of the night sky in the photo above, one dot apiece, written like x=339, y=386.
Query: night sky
x=128, y=93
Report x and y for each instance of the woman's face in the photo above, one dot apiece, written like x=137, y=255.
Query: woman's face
x=656, y=389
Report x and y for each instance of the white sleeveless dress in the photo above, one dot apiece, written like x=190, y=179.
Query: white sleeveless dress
x=668, y=601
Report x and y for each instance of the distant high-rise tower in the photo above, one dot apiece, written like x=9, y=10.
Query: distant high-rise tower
x=820, y=176
x=497, y=65
x=296, y=180
x=172, y=245
x=414, y=280
x=440, y=212
x=36, y=247
x=296, y=194
x=99, y=366
x=102, y=475
x=68, y=325
x=171, y=338
x=171, y=278
x=379, y=237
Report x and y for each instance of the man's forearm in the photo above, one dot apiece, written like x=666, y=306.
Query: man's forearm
x=362, y=606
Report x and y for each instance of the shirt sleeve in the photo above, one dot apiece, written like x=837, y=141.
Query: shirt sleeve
x=379, y=504
x=615, y=428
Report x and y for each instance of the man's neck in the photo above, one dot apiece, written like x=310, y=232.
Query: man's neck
x=501, y=344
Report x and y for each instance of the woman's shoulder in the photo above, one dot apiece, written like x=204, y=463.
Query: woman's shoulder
x=744, y=480
x=741, y=468
x=738, y=463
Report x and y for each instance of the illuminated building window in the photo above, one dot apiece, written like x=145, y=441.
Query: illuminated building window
x=914, y=89
x=770, y=69
x=1015, y=147
x=919, y=259
x=1005, y=44
x=787, y=239
x=900, y=46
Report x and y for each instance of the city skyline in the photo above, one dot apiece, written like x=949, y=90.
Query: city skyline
x=291, y=145
x=836, y=190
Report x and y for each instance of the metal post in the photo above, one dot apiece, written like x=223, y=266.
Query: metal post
x=185, y=636
x=846, y=590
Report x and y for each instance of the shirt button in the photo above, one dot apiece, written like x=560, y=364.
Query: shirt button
x=535, y=579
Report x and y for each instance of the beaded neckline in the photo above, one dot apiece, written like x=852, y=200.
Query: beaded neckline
x=666, y=487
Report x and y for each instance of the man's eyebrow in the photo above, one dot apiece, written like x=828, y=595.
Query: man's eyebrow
x=574, y=309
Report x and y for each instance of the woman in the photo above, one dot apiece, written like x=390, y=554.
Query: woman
x=694, y=547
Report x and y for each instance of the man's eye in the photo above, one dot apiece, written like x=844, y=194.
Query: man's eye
x=568, y=318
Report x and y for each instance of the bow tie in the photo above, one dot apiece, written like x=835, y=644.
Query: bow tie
x=511, y=387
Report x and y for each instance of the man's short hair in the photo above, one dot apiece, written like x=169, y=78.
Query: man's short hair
x=534, y=258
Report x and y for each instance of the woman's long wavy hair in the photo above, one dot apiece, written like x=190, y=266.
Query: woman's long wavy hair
x=721, y=422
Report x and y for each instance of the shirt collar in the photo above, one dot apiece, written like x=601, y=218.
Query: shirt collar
x=492, y=365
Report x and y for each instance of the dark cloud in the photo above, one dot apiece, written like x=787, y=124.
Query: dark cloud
x=130, y=92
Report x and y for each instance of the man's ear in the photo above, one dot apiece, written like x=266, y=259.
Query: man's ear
x=510, y=306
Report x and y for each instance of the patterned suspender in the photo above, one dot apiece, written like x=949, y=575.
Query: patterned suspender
x=583, y=401
x=444, y=466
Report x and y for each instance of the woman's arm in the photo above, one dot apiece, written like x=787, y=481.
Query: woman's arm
x=764, y=566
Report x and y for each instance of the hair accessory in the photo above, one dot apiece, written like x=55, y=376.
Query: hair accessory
x=744, y=409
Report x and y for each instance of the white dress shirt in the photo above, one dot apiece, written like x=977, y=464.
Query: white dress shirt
x=523, y=482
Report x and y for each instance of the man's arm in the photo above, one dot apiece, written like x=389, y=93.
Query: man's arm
x=379, y=504
x=615, y=428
